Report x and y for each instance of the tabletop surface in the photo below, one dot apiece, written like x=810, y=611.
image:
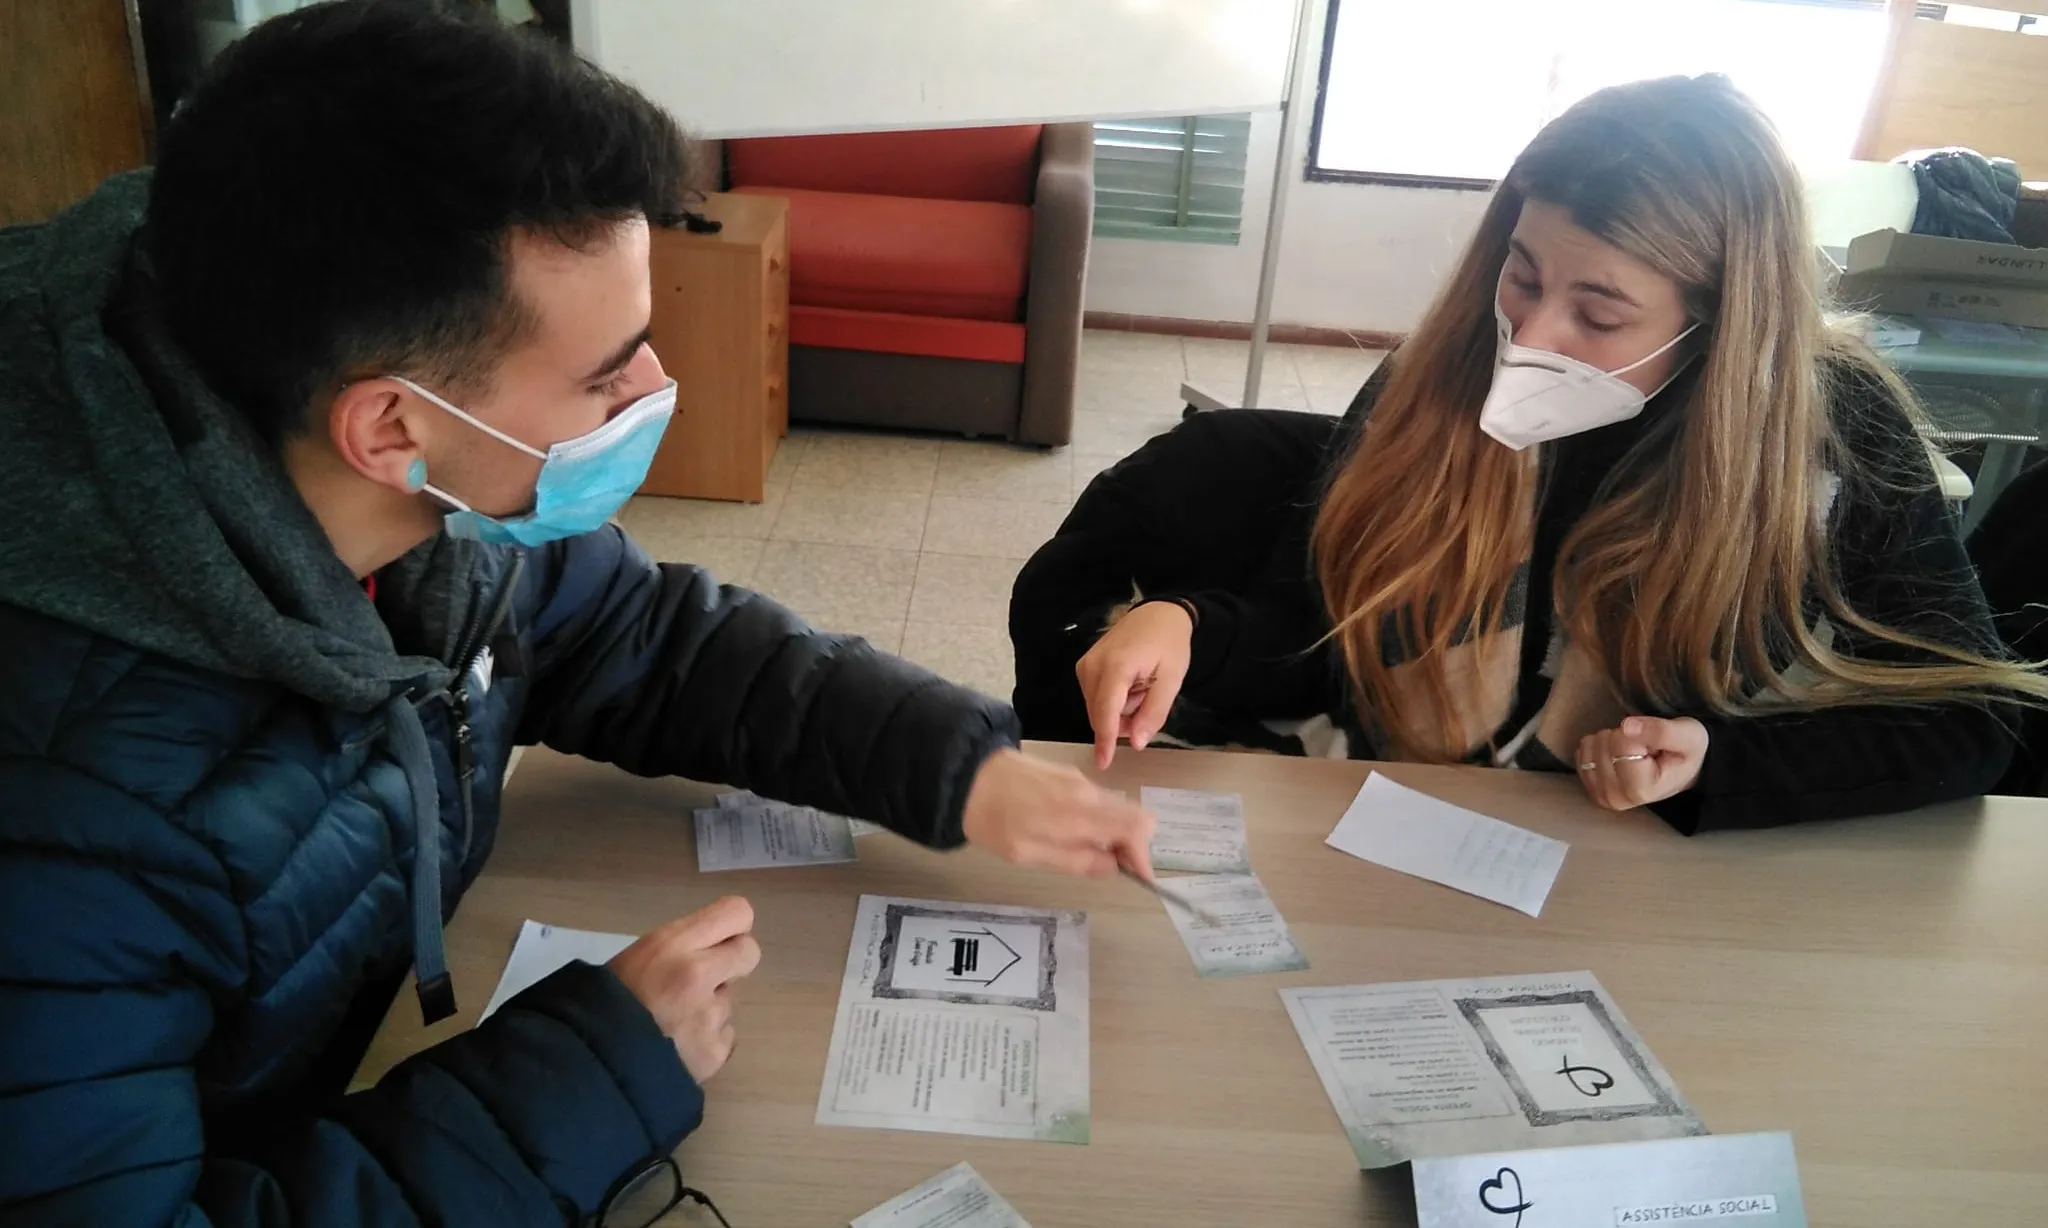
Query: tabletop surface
x=1879, y=988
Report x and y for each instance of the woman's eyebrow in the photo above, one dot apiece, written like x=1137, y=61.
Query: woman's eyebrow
x=1604, y=290
x=1601, y=288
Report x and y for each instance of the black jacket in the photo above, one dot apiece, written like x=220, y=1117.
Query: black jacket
x=1219, y=512
x=2010, y=548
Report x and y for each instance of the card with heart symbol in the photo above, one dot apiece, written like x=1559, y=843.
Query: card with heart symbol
x=1428, y=1068
x=1728, y=1181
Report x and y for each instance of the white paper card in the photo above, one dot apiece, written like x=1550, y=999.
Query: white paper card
x=1729, y=1181
x=962, y=1019
x=541, y=949
x=1198, y=831
x=762, y=837
x=743, y=799
x=956, y=1198
x=1243, y=933
x=1394, y=826
x=1430, y=1068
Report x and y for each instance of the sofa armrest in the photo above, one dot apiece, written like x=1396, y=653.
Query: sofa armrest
x=707, y=166
x=1062, y=215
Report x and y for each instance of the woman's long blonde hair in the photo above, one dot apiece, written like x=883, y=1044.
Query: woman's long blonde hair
x=1694, y=579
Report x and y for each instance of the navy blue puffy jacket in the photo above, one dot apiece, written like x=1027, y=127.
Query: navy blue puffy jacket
x=204, y=896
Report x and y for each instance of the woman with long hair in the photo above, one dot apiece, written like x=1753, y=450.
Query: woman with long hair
x=1624, y=505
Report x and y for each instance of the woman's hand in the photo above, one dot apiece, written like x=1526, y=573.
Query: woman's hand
x=1131, y=676
x=1646, y=759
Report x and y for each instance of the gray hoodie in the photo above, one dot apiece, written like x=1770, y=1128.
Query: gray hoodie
x=139, y=505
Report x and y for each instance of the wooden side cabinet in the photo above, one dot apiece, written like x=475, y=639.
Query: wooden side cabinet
x=721, y=328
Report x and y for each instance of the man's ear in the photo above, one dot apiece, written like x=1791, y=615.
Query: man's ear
x=374, y=427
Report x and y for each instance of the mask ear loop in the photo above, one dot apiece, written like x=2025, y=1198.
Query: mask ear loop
x=1689, y=330
x=485, y=427
x=446, y=498
x=1676, y=371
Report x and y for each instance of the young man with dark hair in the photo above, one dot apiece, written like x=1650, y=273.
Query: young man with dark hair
x=309, y=442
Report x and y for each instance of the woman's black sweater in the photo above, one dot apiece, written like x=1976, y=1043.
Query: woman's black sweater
x=1219, y=512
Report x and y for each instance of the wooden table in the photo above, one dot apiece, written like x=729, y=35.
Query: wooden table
x=1878, y=988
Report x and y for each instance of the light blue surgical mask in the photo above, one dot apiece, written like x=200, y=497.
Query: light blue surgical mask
x=583, y=481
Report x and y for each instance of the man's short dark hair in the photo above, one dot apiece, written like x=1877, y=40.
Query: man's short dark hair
x=336, y=198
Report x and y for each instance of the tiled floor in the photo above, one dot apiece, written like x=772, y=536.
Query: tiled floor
x=914, y=541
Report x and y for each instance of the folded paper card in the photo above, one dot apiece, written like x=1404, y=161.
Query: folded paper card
x=1401, y=829
x=1727, y=1181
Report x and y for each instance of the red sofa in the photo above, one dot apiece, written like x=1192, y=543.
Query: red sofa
x=935, y=276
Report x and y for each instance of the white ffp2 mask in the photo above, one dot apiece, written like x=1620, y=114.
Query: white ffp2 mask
x=1538, y=396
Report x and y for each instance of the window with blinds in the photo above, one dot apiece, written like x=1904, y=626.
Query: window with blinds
x=1171, y=178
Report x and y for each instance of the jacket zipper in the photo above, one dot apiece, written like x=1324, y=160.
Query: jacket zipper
x=458, y=699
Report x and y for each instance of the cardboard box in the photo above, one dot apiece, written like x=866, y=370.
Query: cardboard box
x=1955, y=260
x=1943, y=298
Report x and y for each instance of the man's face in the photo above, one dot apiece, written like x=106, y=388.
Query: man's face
x=585, y=359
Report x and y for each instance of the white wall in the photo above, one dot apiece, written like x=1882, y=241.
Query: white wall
x=1358, y=256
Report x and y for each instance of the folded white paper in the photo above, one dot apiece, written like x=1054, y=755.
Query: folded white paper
x=1396, y=827
x=1727, y=1180
x=743, y=800
x=762, y=837
x=956, y=1198
x=541, y=949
